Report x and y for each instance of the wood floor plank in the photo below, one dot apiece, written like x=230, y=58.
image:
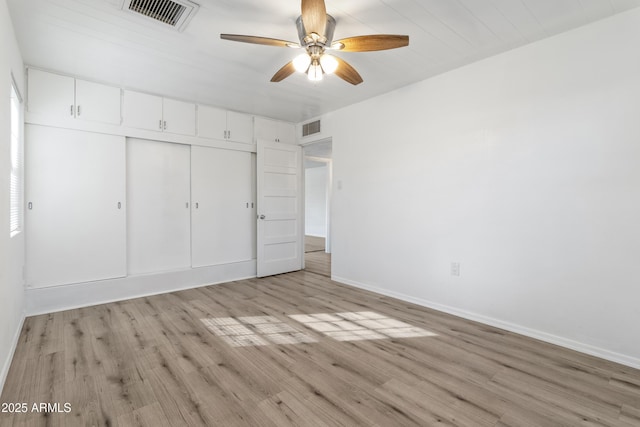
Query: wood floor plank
x=152, y=361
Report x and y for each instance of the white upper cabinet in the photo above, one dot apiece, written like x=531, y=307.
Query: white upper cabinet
x=212, y=122
x=97, y=102
x=144, y=111
x=51, y=94
x=62, y=97
x=222, y=124
x=275, y=130
x=239, y=127
x=179, y=117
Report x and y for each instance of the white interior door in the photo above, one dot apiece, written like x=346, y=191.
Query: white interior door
x=75, y=217
x=158, y=214
x=279, y=177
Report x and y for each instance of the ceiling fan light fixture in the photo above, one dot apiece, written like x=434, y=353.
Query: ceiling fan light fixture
x=315, y=72
x=329, y=63
x=301, y=63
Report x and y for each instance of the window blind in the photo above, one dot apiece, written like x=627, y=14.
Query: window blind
x=16, y=171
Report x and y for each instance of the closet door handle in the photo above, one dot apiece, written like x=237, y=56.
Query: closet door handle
x=78, y=109
x=72, y=110
x=196, y=205
x=119, y=205
x=160, y=124
x=30, y=205
x=165, y=125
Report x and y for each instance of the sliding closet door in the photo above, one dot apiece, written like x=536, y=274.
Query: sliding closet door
x=75, y=197
x=158, y=195
x=223, y=208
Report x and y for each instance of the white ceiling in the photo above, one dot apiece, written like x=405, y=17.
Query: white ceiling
x=96, y=40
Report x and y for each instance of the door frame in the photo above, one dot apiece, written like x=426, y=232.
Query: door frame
x=329, y=161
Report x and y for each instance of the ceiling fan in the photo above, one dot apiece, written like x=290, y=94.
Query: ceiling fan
x=315, y=31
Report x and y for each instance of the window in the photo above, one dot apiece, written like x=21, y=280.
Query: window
x=15, y=179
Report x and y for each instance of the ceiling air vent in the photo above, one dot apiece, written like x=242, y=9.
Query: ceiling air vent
x=311, y=128
x=174, y=13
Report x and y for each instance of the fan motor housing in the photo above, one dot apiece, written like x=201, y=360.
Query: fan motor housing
x=325, y=39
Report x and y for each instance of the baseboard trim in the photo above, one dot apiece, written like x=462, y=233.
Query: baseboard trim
x=622, y=359
x=68, y=297
x=7, y=363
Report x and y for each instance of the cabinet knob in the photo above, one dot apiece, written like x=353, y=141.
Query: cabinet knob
x=262, y=217
x=30, y=205
x=119, y=205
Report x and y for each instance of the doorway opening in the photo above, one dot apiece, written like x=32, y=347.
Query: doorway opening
x=317, y=203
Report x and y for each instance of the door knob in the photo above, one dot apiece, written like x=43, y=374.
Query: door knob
x=262, y=217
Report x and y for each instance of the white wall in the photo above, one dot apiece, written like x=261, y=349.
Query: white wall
x=525, y=169
x=11, y=249
x=315, y=199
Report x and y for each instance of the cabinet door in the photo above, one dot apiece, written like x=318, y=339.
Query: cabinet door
x=240, y=127
x=179, y=117
x=266, y=129
x=222, y=212
x=75, y=217
x=142, y=111
x=97, y=102
x=286, y=133
x=50, y=94
x=212, y=122
x=158, y=214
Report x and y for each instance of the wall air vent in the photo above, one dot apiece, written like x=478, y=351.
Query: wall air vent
x=174, y=13
x=311, y=128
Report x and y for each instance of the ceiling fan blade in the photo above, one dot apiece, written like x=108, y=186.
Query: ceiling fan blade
x=314, y=16
x=347, y=73
x=258, y=40
x=283, y=72
x=371, y=43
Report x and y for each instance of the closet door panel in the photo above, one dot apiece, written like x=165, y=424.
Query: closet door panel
x=75, y=216
x=222, y=211
x=158, y=215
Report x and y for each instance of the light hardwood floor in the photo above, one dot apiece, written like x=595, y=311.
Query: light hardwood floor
x=152, y=362
x=316, y=260
x=314, y=243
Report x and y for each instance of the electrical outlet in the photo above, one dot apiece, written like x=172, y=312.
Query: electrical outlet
x=455, y=269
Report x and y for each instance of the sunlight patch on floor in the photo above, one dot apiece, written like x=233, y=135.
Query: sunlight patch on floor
x=255, y=331
x=348, y=326
x=361, y=325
